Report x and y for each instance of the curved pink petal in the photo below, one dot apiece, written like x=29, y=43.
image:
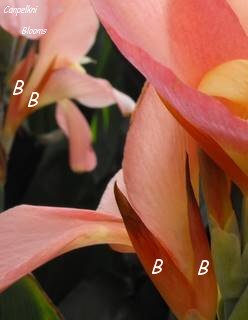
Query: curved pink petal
x=92, y=92
x=154, y=174
x=109, y=205
x=222, y=135
x=30, y=236
x=77, y=129
x=175, y=32
x=47, y=11
x=240, y=7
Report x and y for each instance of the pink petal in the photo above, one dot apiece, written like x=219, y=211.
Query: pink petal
x=76, y=128
x=175, y=32
x=240, y=7
x=154, y=174
x=108, y=204
x=30, y=236
x=73, y=33
x=90, y=91
x=47, y=11
x=222, y=135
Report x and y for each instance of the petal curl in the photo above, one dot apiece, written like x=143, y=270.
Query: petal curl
x=31, y=236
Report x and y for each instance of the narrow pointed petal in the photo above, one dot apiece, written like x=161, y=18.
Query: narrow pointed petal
x=76, y=128
x=179, y=46
x=30, y=236
x=15, y=113
x=154, y=175
x=93, y=92
x=205, y=286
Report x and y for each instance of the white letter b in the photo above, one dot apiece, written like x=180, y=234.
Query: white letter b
x=18, y=88
x=33, y=101
x=157, y=266
x=203, y=268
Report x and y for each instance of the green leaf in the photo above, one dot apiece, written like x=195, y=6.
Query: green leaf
x=26, y=300
x=240, y=311
x=228, y=263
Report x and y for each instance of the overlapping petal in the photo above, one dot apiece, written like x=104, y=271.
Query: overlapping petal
x=161, y=214
x=223, y=136
x=34, y=235
x=154, y=175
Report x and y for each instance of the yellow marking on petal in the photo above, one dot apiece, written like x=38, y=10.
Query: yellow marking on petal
x=229, y=83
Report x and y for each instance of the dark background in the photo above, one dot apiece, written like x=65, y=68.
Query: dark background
x=91, y=283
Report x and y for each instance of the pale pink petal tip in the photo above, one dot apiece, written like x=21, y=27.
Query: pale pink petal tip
x=76, y=128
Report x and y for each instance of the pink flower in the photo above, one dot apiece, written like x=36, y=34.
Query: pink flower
x=189, y=51
x=56, y=74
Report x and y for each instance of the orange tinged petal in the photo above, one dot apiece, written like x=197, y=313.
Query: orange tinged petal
x=154, y=175
x=31, y=236
x=148, y=249
x=77, y=129
x=186, y=301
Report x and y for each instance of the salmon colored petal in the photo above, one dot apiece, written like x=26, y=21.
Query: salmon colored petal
x=153, y=26
x=240, y=7
x=205, y=286
x=194, y=167
x=77, y=129
x=47, y=12
x=30, y=236
x=154, y=174
x=183, y=301
x=73, y=33
x=93, y=92
x=223, y=136
x=15, y=114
